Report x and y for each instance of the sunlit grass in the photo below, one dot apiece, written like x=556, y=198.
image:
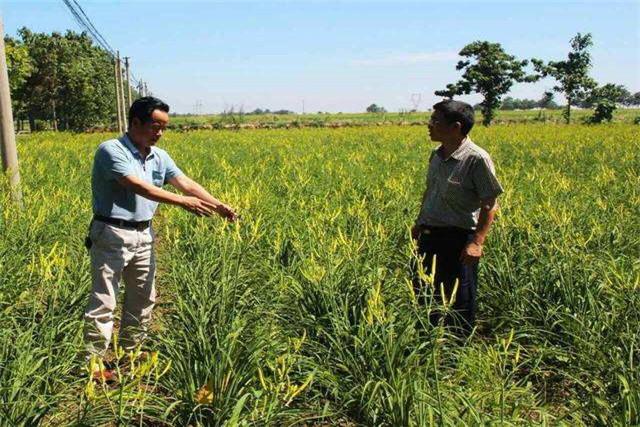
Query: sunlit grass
x=303, y=311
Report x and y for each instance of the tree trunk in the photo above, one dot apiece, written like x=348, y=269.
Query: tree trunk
x=567, y=114
x=55, y=118
x=32, y=122
x=487, y=112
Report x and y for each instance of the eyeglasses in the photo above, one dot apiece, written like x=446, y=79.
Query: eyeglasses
x=157, y=127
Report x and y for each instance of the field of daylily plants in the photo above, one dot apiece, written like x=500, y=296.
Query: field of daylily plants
x=303, y=313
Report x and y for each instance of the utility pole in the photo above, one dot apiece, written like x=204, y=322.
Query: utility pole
x=126, y=68
x=415, y=100
x=125, y=105
x=7, y=134
x=197, y=108
x=121, y=95
x=118, y=107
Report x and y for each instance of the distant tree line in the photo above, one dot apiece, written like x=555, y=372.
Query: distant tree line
x=259, y=111
x=233, y=111
x=546, y=102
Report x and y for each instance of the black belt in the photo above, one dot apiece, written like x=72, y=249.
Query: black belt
x=138, y=225
x=428, y=229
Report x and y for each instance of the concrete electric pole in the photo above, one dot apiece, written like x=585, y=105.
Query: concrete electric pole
x=7, y=134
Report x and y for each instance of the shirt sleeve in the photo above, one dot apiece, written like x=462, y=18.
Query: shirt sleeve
x=113, y=162
x=171, y=170
x=484, y=179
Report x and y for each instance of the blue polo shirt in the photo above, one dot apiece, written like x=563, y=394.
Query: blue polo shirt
x=117, y=158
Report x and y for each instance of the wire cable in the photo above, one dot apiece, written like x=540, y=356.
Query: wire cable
x=87, y=25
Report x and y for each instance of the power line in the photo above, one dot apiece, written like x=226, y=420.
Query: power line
x=82, y=19
x=85, y=22
x=93, y=26
x=135, y=81
x=88, y=26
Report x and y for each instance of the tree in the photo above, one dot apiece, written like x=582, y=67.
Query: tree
x=633, y=100
x=617, y=94
x=38, y=88
x=605, y=98
x=510, y=103
x=572, y=74
x=547, y=101
x=623, y=96
x=70, y=82
x=489, y=71
x=19, y=67
x=373, y=108
x=85, y=89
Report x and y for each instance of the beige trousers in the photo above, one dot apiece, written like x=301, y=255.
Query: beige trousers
x=119, y=253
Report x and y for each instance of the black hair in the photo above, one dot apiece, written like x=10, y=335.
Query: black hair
x=457, y=111
x=142, y=108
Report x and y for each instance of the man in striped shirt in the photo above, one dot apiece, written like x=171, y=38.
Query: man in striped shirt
x=458, y=208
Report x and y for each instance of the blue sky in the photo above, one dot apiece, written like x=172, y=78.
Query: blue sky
x=335, y=56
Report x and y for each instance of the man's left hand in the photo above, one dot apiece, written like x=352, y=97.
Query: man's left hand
x=471, y=253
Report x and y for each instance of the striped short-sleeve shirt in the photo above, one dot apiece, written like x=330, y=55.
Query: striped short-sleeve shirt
x=456, y=185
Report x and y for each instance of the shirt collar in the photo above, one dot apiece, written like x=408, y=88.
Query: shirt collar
x=127, y=143
x=460, y=152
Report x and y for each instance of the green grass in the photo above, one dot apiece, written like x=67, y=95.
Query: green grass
x=303, y=313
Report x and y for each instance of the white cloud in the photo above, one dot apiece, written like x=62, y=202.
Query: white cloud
x=409, y=58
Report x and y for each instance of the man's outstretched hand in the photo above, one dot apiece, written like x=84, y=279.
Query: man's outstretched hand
x=198, y=206
x=226, y=212
x=201, y=207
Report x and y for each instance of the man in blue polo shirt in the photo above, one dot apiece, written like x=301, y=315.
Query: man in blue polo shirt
x=127, y=180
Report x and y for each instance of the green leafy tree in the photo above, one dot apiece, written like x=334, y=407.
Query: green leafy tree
x=617, y=94
x=547, y=101
x=605, y=99
x=85, y=98
x=38, y=96
x=633, y=100
x=374, y=108
x=571, y=74
x=19, y=67
x=70, y=82
x=489, y=71
x=624, y=95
